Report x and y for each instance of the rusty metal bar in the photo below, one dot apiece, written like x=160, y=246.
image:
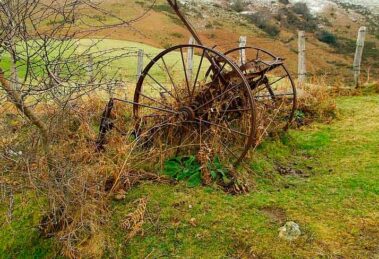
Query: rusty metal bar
x=174, y=5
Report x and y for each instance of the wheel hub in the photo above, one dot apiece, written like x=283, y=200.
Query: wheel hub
x=187, y=113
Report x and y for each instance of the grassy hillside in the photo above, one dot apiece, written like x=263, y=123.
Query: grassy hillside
x=222, y=27
x=323, y=177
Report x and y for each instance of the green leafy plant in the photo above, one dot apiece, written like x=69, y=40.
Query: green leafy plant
x=219, y=172
x=185, y=168
x=299, y=115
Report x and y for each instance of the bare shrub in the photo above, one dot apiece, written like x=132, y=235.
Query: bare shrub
x=52, y=81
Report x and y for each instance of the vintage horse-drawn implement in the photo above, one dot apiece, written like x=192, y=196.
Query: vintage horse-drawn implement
x=215, y=102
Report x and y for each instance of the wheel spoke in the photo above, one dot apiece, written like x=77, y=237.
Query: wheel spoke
x=153, y=100
x=164, y=88
x=218, y=96
x=169, y=75
x=197, y=73
x=276, y=95
x=223, y=127
x=204, y=87
x=185, y=72
x=147, y=106
x=281, y=78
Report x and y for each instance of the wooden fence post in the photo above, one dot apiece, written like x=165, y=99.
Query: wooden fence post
x=190, y=53
x=140, y=63
x=90, y=68
x=358, y=54
x=302, y=70
x=242, y=43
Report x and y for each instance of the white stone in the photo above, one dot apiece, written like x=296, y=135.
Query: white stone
x=290, y=231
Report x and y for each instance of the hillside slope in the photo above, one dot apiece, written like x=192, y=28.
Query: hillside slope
x=219, y=25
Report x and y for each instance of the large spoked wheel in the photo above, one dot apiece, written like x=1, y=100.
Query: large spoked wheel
x=179, y=108
x=273, y=88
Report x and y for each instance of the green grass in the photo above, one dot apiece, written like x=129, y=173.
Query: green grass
x=124, y=63
x=19, y=237
x=336, y=205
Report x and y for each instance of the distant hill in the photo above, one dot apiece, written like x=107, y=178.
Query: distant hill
x=331, y=33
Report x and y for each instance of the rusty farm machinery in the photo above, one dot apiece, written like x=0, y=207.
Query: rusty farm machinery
x=217, y=102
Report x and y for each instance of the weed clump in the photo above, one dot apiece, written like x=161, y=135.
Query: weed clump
x=315, y=103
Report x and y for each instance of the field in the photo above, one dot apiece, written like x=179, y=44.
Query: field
x=323, y=176
x=156, y=172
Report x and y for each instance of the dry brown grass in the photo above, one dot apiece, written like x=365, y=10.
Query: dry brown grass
x=316, y=102
x=74, y=187
x=133, y=221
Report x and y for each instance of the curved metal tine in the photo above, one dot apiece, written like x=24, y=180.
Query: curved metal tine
x=272, y=121
x=229, y=150
x=141, y=144
x=214, y=67
x=268, y=85
x=226, y=110
x=223, y=143
x=218, y=96
x=219, y=73
x=190, y=137
x=154, y=131
x=261, y=79
x=261, y=72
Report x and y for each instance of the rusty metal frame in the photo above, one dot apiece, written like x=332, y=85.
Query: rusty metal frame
x=175, y=6
x=106, y=123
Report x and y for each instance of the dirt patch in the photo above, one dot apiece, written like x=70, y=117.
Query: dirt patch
x=275, y=214
x=368, y=236
x=289, y=171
